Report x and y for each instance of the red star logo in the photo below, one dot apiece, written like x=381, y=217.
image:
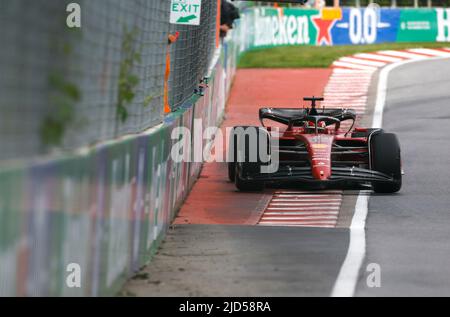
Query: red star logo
x=323, y=30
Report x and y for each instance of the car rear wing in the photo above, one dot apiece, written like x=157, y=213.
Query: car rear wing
x=285, y=115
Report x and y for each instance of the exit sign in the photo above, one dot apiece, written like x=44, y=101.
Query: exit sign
x=185, y=12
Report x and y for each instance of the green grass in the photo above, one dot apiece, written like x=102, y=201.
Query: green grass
x=316, y=56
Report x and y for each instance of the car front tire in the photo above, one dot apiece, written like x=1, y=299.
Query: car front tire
x=386, y=158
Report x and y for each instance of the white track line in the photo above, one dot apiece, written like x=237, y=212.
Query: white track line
x=403, y=54
x=379, y=57
x=298, y=192
x=277, y=201
x=430, y=52
x=377, y=122
x=301, y=213
x=354, y=66
x=301, y=218
x=303, y=209
x=308, y=208
x=345, y=84
x=303, y=196
x=361, y=61
x=351, y=71
x=348, y=276
x=314, y=225
x=293, y=204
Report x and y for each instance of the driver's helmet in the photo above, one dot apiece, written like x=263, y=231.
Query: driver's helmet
x=310, y=124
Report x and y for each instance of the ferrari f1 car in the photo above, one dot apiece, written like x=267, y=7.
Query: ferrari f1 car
x=313, y=147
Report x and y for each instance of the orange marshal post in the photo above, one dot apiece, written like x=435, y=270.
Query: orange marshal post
x=171, y=39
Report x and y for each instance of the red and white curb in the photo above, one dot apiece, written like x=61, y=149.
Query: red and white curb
x=348, y=88
x=371, y=62
x=301, y=208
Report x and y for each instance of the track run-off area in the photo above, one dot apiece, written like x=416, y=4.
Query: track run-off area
x=299, y=242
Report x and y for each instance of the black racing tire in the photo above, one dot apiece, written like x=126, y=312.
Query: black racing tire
x=244, y=169
x=386, y=158
x=231, y=171
x=366, y=134
x=247, y=185
x=232, y=155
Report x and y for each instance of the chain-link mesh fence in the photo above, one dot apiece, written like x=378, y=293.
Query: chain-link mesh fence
x=62, y=88
x=195, y=45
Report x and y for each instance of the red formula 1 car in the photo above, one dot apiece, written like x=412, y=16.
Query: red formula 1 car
x=312, y=148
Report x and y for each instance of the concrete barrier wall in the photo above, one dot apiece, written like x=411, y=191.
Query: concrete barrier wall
x=101, y=211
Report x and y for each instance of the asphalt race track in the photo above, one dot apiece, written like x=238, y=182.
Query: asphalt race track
x=205, y=260
x=407, y=234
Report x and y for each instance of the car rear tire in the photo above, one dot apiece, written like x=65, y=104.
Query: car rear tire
x=386, y=158
x=245, y=185
x=241, y=171
x=232, y=154
x=231, y=171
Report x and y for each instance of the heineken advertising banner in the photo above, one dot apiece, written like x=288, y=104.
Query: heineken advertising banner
x=267, y=27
